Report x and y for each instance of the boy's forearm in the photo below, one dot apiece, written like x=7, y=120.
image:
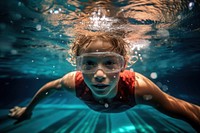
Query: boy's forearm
x=186, y=111
x=42, y=93
x=192, y=115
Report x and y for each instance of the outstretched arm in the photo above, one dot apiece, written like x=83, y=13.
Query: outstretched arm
x=49, y=88
x=148, y=93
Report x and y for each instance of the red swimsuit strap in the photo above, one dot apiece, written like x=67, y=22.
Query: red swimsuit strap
x=80, y=85
x=126, y=86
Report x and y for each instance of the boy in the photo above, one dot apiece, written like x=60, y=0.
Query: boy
x=105, y=86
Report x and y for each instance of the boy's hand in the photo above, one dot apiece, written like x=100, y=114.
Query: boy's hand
x=19, y=113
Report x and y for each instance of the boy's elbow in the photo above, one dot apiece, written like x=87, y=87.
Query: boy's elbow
x=53, y=85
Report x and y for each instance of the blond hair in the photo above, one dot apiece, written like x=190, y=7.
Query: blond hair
x=82, y=41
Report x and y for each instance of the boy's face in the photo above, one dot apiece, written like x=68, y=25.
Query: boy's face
x=102, y=83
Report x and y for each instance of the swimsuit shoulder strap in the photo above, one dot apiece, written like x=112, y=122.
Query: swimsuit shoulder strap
x=126, y=85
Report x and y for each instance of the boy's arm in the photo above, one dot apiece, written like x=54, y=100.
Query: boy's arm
x=49, y=88
x=147, y=92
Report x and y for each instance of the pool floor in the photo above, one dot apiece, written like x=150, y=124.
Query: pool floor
x=61, y=118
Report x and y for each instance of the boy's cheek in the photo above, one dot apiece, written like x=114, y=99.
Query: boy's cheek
x=88, y=77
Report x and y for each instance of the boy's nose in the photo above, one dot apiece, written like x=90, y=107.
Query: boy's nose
x=99, y=75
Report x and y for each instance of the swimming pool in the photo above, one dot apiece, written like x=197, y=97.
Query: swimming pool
x=35, y=35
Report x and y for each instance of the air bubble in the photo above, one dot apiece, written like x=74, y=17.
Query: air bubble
x=141, y=59
x=191, y=5
x=106, y=105
x=19, y=3
x=147, y=97
x=38, y=27
x=159, y=84
x=153, y=75
x=13, y=52
x=44, y=59
x=179, y=17
x=164, y=87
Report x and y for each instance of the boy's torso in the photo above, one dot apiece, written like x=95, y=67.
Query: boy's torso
x=123, y=101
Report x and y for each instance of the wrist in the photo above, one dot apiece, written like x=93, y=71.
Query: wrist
x=28, y=110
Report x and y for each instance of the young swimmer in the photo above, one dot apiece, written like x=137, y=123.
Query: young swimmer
x=105, y=86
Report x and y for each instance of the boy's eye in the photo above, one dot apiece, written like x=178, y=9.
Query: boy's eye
x=89, y=65
x=109, y=63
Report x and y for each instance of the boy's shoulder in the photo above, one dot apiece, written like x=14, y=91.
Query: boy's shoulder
x=68, y=81
x=69, y=75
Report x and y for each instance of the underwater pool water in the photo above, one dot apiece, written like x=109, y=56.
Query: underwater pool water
x=34, y=40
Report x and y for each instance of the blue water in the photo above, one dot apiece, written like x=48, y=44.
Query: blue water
x=35, y=37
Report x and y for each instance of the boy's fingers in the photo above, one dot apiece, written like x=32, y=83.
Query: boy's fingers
x=11, y=110
x=11, y=115
x=16, y=107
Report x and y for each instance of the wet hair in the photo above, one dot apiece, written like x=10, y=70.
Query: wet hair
x=81, y=42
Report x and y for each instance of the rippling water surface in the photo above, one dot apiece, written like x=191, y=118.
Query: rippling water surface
x=163, y=34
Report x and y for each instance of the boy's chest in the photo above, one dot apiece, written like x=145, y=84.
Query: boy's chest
x=123, y=101
x=119, y=103
x=109, y=107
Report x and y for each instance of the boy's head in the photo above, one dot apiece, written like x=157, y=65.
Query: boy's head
x=100, y=57
x=82, y=42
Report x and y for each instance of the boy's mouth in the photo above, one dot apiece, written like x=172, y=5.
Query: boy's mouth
x=100, y=86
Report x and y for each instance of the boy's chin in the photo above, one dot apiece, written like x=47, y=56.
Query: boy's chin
x=106, y=94
x=101, y=94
